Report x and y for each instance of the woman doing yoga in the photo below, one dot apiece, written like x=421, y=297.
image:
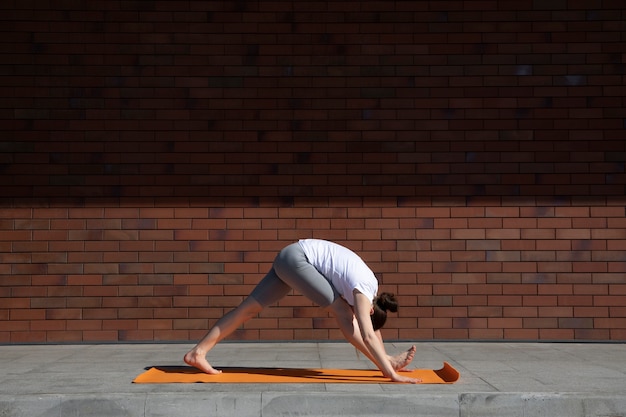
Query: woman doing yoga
x=333, y=277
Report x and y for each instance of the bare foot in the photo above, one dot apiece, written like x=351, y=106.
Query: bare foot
x=198, y=360
x=402, y=360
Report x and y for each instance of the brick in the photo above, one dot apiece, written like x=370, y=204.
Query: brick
x=555, y=289
x=541, y=323
x=25, y=314
x=486, y=333
x=502, y=234
x=556, y=334
x=521, y=334
x=504, y=323
x=590, y=267
x=483, y=244
x=469, y=323
x=485, y=311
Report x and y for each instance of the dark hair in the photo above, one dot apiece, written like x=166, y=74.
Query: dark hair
x=382, y=303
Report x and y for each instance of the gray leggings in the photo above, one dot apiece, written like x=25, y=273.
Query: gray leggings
x=292, y=269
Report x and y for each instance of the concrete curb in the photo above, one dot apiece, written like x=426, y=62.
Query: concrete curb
x=541, y=404
x=310, y=404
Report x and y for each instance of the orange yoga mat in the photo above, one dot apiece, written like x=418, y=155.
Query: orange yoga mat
x=186, y=374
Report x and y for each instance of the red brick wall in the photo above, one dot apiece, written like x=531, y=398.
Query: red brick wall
x=155, y=155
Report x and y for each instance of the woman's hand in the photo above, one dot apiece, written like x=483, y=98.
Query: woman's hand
x=362, y=307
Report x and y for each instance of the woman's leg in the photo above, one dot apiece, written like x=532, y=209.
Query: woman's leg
x=226, y=325
x=267, y=292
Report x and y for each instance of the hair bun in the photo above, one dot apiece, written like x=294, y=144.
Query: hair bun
x=387, y=301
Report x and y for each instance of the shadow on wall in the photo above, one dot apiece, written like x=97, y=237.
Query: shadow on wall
x=313, y=168
x=307, y=99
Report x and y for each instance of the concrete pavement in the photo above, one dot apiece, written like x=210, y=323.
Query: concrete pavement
x=497, y=379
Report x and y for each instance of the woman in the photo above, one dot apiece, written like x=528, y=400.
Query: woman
x=331, y=276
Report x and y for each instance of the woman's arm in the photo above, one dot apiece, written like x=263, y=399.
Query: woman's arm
x=362, y=309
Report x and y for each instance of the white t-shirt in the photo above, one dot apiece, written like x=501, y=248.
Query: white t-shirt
x=343, y=268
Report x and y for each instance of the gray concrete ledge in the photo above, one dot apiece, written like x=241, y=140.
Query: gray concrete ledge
x=497, y=379
x=248, y=404
x=541, y=404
